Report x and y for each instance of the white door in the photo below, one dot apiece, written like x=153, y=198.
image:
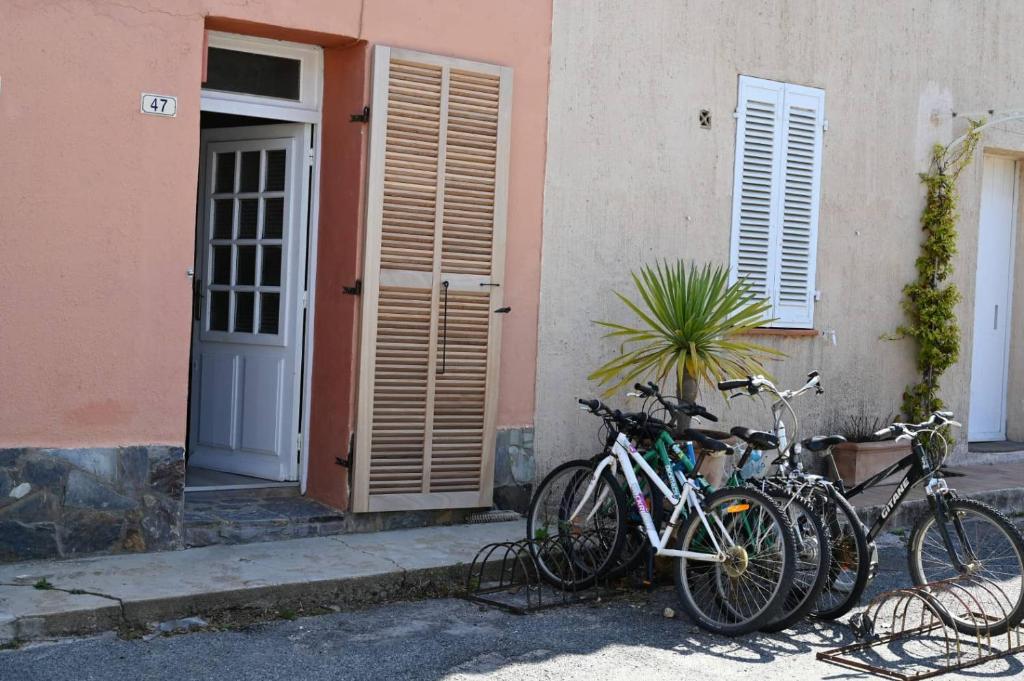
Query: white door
x=994, y=283
x=248, y=312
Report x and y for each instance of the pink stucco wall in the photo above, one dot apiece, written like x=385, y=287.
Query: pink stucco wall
x=97, y=201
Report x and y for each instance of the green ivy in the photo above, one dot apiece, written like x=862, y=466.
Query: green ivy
x=930, y=300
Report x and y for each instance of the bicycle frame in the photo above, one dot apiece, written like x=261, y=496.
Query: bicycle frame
x=919, y=467
x=622, y=454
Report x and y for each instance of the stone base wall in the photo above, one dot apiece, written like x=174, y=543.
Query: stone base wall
x=514, y=469
x=61, y=503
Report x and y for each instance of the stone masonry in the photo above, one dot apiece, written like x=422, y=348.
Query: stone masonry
x=514, y=469
x=60, y=503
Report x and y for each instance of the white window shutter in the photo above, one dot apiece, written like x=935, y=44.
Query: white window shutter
x=755, y=194
x=775, y=199
x=803, y=116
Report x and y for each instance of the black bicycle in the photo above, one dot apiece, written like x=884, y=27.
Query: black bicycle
x=958, y=537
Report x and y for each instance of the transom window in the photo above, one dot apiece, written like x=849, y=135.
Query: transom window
x=259, y=77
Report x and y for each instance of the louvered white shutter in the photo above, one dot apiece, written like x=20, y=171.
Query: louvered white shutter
x=775, y=201
x=434, y=260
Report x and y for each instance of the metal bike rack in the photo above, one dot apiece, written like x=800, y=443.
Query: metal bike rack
x=507, y=575
x=909, y=633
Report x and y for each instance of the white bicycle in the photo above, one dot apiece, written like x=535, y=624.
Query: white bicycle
x=735, y=549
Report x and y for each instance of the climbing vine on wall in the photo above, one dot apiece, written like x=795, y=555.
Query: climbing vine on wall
x=930, y=299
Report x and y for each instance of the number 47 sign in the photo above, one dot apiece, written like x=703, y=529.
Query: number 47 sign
x=159, y=105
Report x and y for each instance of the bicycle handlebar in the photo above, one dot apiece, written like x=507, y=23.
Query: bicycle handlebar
x=937, y=419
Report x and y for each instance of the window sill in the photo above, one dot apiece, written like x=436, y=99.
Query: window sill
x=785, y=333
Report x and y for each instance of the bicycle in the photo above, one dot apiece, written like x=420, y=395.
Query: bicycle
x=735, y=549
x=812, y=537
x=959, y=537
x=852, y=558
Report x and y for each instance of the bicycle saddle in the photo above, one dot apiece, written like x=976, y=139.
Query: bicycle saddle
x=705, y=441
x=820, y=443
x=757, y=438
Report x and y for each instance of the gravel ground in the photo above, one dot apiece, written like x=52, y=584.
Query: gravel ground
x=621, y=638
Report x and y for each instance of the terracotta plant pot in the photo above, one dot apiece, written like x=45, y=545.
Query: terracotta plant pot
x=858, y=461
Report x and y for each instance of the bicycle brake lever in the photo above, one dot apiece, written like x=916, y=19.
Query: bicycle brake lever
x=903, y=437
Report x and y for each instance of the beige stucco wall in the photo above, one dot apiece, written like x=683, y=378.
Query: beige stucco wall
x=631, y=177
x=97, y=201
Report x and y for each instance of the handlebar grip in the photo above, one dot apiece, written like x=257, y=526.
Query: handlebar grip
x=590, y=404
x=884, y=432
x=733, y=383
x=704, y=413
x=642, y=389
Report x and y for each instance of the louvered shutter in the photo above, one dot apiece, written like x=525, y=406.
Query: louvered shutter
x=434, y=260
x=775, y=200
x=802, y=118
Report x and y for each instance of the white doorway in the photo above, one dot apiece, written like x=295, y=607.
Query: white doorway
x=993, y=290
x=255, y=266
x=247, y=320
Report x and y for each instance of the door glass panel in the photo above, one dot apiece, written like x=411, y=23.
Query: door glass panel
x=224, y=180
x=248, y=210
x=249, y=176
x=218, y=310
x=273, y=218
x=244, y=301
x=275, y=170
x=270, y=304
x=246, y=268
x=271, y=274
x=254, y=74
x=221, y=265
x=223, y=210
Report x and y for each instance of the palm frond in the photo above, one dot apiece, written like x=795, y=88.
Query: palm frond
x=690, y=323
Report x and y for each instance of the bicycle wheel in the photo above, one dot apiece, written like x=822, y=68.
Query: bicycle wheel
x=576, y=538
x=813, y=561
x=850, y=565
x=743, y=593
x=994, y=576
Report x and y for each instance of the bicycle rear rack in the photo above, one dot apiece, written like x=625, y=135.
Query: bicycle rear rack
x=910, y=633
x=524, y=576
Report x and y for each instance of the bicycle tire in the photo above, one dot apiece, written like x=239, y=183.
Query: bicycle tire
x=1013, y=609
x=717, y=613
x=850, y=568
x=586, y=560
x=813, y=562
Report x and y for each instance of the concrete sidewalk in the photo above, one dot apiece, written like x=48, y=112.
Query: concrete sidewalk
x=132, y=591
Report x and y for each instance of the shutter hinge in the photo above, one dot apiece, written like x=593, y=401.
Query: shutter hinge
x=824, y=126
x=736, y=113
x=311, y=155
x=305, y=299
x=363, y=117
x=298, y=443
x=354, y=290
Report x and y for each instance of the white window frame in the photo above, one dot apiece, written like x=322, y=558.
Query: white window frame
x=775, y=242
x=305, y=110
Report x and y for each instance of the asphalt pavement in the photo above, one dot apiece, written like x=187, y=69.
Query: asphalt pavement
x=621, y=638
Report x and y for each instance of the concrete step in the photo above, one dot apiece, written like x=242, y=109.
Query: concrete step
x=242, y=517
x=130, y=592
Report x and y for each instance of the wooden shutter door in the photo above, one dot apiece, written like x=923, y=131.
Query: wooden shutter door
x=755, y=193
x=802, y=120
x=434, y=262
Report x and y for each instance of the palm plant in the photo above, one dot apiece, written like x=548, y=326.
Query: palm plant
x=690, y=323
